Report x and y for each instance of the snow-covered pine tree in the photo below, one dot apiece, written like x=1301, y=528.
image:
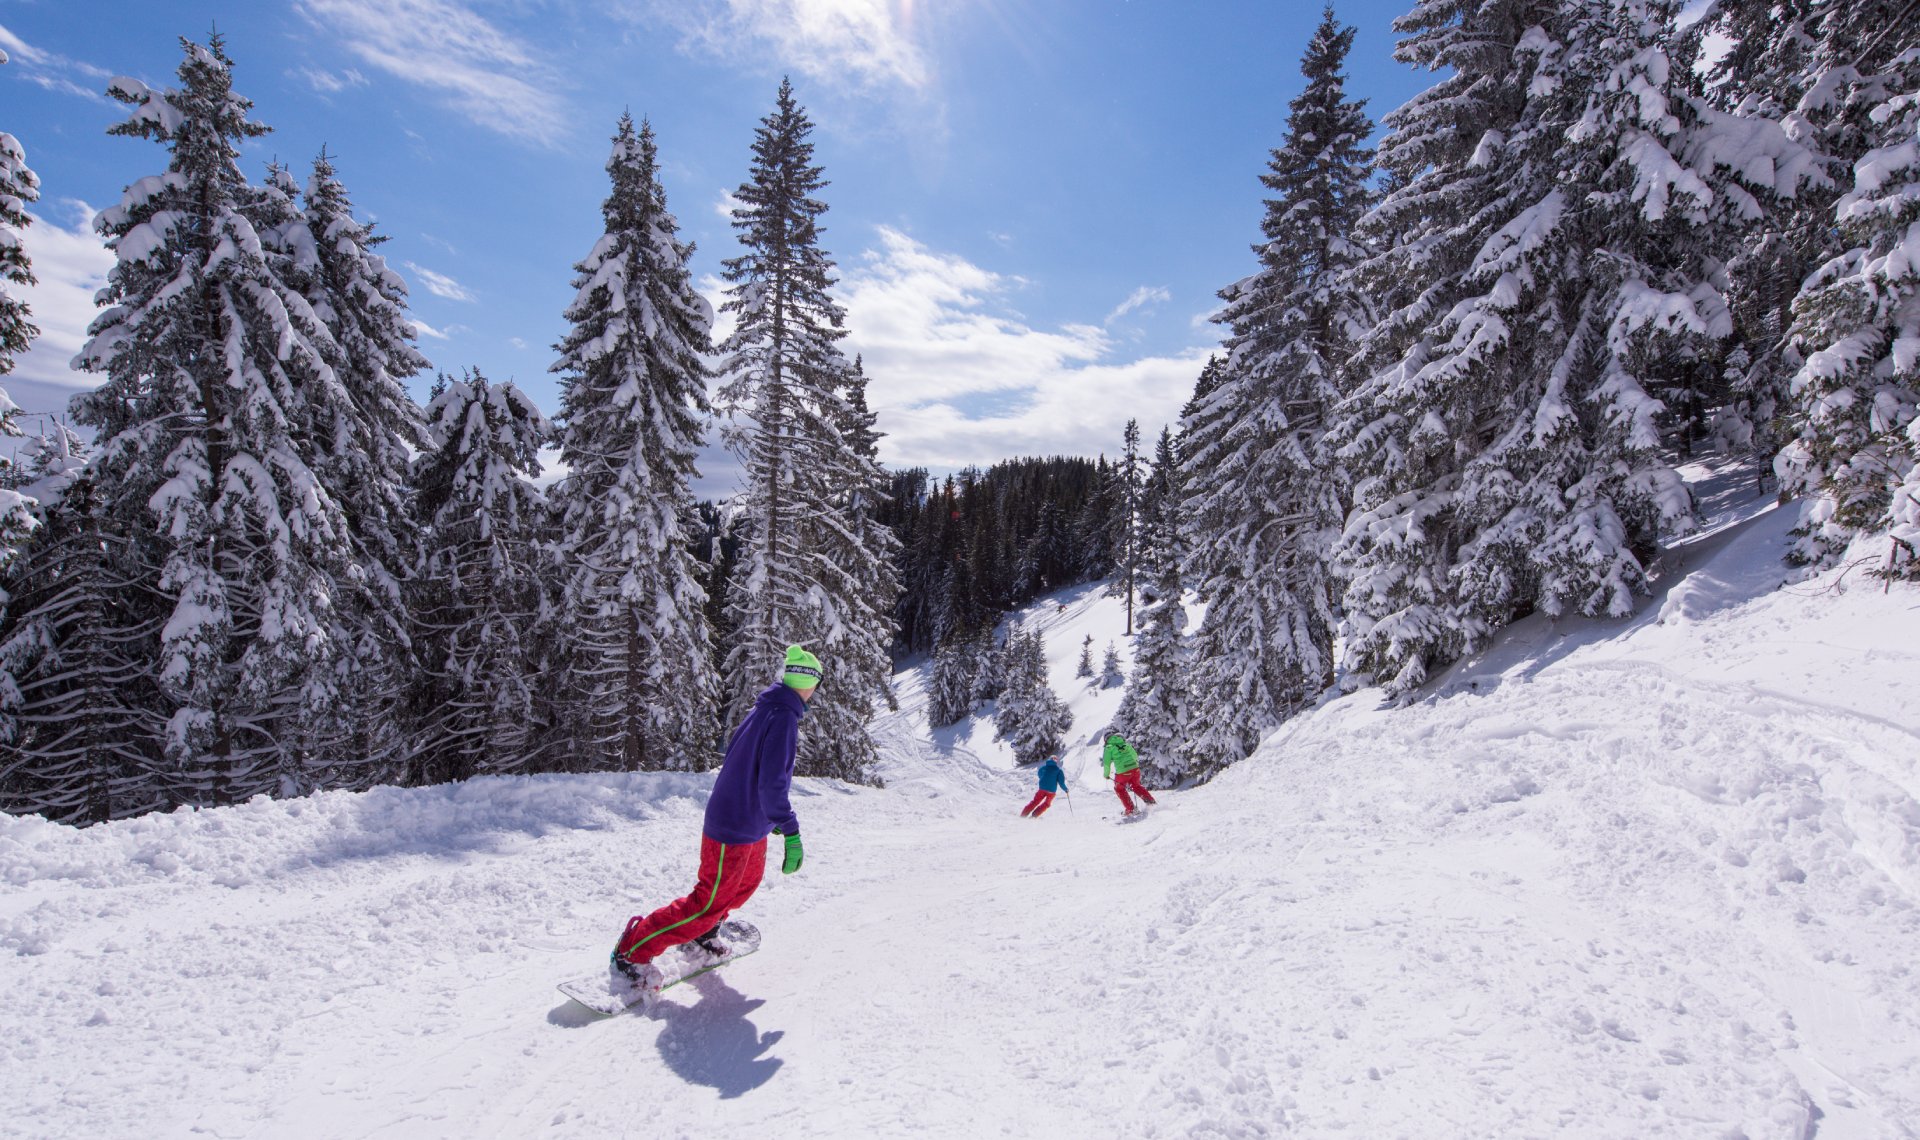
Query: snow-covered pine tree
x=50, y=459
x=854, y=536
x=633, y=401
x=206, y=455
x=1856, y=457
x=1085, y=668
x=808, y=573
x=1158, y=511
x=1156, y=712
x=1263, y=500
x=857, y=421
x=1552, y=242
x=950, y=687
x=1111, y=671
x=989, y=666
x=1029, y=716
x=18, y=186
x=1129, y=476
x=80, y=720
x=1198, y=418
x=1797, y=65
x=478, y=589
x=365, y=429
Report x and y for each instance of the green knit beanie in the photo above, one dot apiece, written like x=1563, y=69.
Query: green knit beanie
x=803, y=668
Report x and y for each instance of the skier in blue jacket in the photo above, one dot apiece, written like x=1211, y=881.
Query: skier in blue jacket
x=1052, y=780
x=748, y=803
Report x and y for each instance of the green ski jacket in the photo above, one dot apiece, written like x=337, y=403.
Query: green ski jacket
x=1119, y=757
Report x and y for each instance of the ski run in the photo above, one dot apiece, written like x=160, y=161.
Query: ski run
x=1651, y=878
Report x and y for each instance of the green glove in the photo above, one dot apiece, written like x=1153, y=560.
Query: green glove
x=794, y=855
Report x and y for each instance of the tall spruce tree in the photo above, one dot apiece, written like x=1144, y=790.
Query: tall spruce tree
x=1856, y=456
x=18, y=186
x=1156, y=713
x=808, y=570
x=1029, y=716
x=1264, y=502
x=856, y=534
x=633, y=401
x=207, y=458
x=1129, y=476
x=478, y=590
x=365, y=429
x=1560, y=210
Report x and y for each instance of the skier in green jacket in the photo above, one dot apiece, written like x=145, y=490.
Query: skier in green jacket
x=1121, y=762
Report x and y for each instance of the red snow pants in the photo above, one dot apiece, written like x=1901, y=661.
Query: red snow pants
x=729, y=874
x=1126, y=780
x=1038, y=805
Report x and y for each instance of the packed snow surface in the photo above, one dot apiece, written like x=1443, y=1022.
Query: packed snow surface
x=1625, y=879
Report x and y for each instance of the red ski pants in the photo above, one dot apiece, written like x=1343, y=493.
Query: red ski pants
x=729, y=874
x=1126, y=780
x=1038, y=805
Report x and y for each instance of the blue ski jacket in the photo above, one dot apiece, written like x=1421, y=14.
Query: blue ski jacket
x=750, y=794
x=1052, y=779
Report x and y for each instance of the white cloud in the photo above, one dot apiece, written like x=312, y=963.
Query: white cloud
x=326, y=82
x=53, y=71
x=1139, y=298
x=15, y=50
x=854, y=43
x=440, y=285
x=71, y=265
x=958, y=378
x=425, y=329
x=480, y=71
x=517, y=342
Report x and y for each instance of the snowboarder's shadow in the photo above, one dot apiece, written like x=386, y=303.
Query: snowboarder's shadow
x=712, y=1043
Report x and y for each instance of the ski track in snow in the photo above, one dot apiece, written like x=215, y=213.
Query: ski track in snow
x=1651, y=879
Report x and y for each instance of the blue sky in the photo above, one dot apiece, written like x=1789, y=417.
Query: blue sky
x=1032, y=202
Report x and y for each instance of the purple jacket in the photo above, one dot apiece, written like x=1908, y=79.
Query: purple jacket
x=750, y=794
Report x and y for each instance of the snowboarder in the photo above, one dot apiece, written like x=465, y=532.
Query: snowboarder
x=1052, y=781
x=1121, y=762
x=749, y=801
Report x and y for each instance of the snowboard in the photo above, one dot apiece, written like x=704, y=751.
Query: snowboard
x=599, y=993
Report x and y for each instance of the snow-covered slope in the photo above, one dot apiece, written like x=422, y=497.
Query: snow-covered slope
x=1628, y=880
